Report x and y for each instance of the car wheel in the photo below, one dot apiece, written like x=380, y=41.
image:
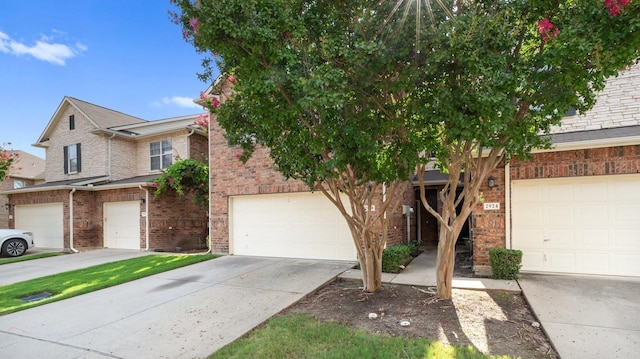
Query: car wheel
x=14, y=247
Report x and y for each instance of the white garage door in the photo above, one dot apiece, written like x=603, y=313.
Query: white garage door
x=122, y=225
x=587, y=225
x=296, y=225
x=45, y=221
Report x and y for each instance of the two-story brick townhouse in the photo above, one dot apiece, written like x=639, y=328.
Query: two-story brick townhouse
x=255, y=211
x=98, y=190
x=576, y=207
x=27, y=170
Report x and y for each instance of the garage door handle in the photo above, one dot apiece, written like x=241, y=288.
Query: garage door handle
x=547, y=239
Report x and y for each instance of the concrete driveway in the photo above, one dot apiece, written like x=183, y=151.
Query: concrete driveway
x=185, y=313
x=587, y=317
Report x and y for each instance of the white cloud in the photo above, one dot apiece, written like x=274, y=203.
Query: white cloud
x=180, y=101
x=44, y=49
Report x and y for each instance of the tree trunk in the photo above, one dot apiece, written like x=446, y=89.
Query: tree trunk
x=371, y=266
x=445, y=263
x=368, y=226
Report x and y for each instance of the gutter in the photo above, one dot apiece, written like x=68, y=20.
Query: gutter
x=146, y=220
x=71, y=221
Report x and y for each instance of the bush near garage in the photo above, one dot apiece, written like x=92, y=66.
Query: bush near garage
x=505, y=263
x=396, y=256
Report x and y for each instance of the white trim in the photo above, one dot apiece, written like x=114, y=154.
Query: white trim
x=601, y=143
x=507, y=207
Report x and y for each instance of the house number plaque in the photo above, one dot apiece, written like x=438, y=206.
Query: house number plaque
x=492, y=206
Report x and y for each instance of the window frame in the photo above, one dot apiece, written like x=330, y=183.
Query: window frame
x=163, y=156
x=19, y=183
x=68, y=164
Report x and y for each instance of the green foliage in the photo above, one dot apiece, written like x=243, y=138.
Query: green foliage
x=186, y=176
x=505, y=263
x=81, y=281
x=6, y=160
x=300, y=336
x=350, y=90
x=28, y=257
x=395, y=256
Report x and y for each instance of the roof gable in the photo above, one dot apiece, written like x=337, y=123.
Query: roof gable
x=98, y=116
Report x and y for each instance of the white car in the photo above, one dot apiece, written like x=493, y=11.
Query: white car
x=15, y=242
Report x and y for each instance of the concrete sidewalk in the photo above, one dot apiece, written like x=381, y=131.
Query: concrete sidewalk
x=422, y=272
x=587, y=317
x=188, y=312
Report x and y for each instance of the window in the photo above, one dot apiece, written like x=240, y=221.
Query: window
x=72, y=122
x=72, y=158
x=161, y=154
x=18, y=183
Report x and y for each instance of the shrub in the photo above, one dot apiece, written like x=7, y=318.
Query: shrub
x=395, y=256
x=505, y=263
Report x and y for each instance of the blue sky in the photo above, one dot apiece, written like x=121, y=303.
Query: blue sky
x=125, y=55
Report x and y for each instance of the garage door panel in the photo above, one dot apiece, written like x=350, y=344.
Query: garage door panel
x=626, y=214
x=560, y=238
x=592, y=224
x=593, y=239
x=533, y=259
x=593, y=262
x=559, y=215
x=529, y=214
x=625, y=239
x=121, y=224
x=46, y=221
x=624, y=190
x=297, y=225
x=626, y=264
x=592, y=214
x=557, y=192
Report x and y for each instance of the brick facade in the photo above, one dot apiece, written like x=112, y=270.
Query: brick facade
x=174, y=221
x=617, y=106
x=488, y=227
x=94, y=149
x=230, y=177
x=4, y=200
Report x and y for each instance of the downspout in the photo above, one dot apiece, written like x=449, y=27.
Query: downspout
x=71, y=221
x=507, y=207
x=209, y=206
x=191, y=132
x=146, y=219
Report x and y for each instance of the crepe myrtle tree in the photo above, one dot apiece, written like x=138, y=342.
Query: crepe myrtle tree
x=499, y=74
x=321, y=85
x=7, y=158
x=349, y=98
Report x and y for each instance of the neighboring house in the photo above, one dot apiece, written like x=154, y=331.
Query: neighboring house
x=255, y=211
x=27, y=170
x=574, y=208
x=98, y=189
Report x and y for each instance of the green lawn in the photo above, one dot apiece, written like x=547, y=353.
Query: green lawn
x=300, y=336
x=70, y=284
x=28, y=257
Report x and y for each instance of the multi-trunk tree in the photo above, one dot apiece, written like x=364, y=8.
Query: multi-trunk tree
x=351, y=97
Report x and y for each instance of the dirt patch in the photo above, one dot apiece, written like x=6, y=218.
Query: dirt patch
x=494, y=322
